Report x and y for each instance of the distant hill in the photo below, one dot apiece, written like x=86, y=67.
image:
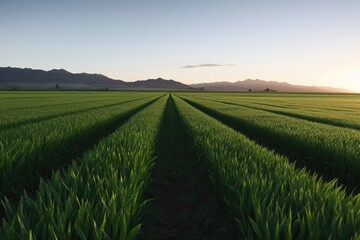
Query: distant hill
x=261, y=85
x=158, y=83
x=26, y=78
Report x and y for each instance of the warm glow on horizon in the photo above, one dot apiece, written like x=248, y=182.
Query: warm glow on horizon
x=354, y=83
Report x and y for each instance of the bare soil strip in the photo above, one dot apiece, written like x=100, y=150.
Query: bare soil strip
x=184, y=205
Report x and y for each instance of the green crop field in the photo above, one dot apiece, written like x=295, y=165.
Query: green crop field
x=181, y=165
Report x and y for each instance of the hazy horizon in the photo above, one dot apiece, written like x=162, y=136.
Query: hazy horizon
x=301, y=43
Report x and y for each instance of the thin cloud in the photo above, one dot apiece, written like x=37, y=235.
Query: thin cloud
x=208, y=65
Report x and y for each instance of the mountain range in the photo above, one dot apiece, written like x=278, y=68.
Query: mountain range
x=26, y=78
x=261, y=85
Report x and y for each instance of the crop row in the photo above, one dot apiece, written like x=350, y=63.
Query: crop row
x=35, y=100
x=11, y=119
x=25, y=100
x=330, y=104
x=309, y=102
x=98, y=197
x=32, y=150
x=269, y=197
x=335, y=118
x=333, y=151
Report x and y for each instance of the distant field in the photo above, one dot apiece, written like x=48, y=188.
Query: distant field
x=84, y=165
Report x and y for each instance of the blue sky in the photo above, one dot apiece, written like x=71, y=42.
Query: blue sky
x=300, y=42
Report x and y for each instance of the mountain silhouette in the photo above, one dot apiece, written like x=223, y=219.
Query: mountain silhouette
x=261, y=85
x=26, y=78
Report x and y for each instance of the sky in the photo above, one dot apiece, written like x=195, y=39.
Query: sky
x=307, y=42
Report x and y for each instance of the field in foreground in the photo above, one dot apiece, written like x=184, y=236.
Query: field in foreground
x=153, y=165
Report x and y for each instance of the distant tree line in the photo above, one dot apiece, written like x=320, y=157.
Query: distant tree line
x=265, y=90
